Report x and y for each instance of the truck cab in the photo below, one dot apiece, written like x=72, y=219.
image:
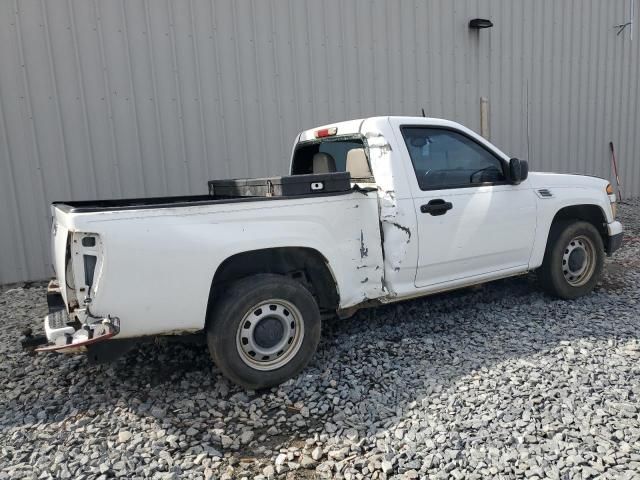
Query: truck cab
x=454, y=209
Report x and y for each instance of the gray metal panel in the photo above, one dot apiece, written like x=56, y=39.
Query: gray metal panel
x=104, y=99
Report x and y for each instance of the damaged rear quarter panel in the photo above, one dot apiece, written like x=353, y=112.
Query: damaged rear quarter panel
x=159, y=263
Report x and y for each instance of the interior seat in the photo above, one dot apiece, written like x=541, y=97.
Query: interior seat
x=323, y=163
x=357, y=164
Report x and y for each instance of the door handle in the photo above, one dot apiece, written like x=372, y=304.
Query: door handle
x=436, y=207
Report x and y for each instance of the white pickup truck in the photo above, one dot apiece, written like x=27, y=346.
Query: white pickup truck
x=428, y=206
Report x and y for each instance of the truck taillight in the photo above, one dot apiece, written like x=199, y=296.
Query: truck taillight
x=326, y=132
x=89, y=269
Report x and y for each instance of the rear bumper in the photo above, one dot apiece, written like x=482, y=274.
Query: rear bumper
x=615, y=237
x=65, y=333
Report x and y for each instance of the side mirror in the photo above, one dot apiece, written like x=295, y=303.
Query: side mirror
x=518, y=170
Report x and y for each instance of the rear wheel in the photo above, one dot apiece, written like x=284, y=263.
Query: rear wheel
x=573, y=259
x=264, y=330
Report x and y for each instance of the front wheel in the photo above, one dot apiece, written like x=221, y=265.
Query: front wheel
x=264, y=330
x=573, y=260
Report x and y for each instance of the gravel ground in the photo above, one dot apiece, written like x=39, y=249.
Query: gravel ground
x=494, y=381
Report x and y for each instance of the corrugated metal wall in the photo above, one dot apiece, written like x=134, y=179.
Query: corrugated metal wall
x=121, y=98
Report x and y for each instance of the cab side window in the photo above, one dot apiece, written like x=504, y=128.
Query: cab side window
x=447, y=159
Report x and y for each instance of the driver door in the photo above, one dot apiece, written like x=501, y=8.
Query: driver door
x=471, y=220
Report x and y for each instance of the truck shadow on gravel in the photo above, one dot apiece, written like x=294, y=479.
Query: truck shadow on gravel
x=367, y=372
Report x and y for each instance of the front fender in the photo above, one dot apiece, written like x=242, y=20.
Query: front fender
x=548, y=208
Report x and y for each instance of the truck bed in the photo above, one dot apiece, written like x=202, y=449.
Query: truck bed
x=234, y=190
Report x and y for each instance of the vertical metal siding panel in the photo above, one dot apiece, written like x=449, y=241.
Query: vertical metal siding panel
x=496, y=75
x=542, y=86
x=144, y=102
x=233, y=85
x=87, y=153
x=557, y=93
x=13, y=256
x=610, y=78
x=204, y=159
x=267, y=95
x=335, y=54
x=513, y=63
x=135, y=149
x=213, y=128
x=562, y=93
x=520, y=149
x=157, y=138
x=317, y=74
x=632, y=160
x=424, y=64
x=122, y=112
x=394, y=87
x=379, y=58
x=591, y=164
x=302, y=58
x=12, y=253
x=215, y=101
x=177, y=89
x=13, y=238
x=286, y=70
x=468, y=45
x=187, y=94
x=409, y=74
x=366, y=59
x=348, y=58
x=37, y=114
x=322, y=17
x=442, y=63
x=620, y=15
x=598, y=143
x=579, y=142
x=165, y=96
x=626, y=47
x=251, y=105
x=97, y=128
x=57, y=96
x=117, y=181
x=576, y=94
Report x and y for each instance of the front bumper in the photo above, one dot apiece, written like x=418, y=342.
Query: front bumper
x=614, y=241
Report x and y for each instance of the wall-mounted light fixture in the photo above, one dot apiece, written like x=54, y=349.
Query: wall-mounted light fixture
x=479, y=23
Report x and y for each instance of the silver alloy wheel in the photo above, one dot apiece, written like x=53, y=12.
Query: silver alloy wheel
x=579, y=261
x=270, y=334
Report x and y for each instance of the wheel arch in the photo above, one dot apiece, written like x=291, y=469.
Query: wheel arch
x=306, y=265
x=591, y=213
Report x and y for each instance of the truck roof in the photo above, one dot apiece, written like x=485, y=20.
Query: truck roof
x=353, y=127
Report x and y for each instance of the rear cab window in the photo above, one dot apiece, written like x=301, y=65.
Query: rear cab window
x=335, y=152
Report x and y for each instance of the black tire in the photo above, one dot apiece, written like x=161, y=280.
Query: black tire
x=231, y=314
x=551, y=274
